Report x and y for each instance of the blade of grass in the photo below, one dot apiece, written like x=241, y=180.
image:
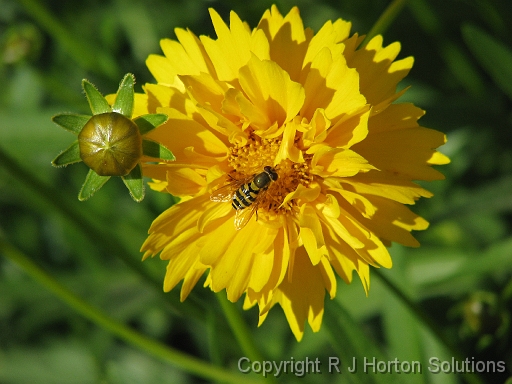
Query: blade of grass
x=99, y=233
x=422, y=317
x=494, y=56
x=104, y=237
x=239, y=328
x=351, y=345
x=161, y=351
x=84, y=53
x=385, y=20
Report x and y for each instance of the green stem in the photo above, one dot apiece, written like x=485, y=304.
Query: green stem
x=88, y=56
x=159, y=350
x=103, y=237
x=426, y=321
x=239, y=328
x=99, y=234
x=385, y=20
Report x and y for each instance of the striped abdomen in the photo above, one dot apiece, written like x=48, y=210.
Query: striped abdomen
x=245, y=195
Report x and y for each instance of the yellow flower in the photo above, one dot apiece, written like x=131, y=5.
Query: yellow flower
x=318, y=111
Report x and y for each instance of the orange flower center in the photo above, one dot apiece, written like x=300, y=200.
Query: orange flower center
x=249, y=160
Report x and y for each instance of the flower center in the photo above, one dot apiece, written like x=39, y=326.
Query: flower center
x=250, y=159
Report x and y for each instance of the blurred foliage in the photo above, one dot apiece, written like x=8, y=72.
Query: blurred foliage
x=460, y=276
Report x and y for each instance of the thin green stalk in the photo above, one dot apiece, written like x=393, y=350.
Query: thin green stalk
x=99, y=234
x=103, y=237
x=239, y=328
x=385, y=20
x=88, y=56
x=169, y=355
x=427, y=322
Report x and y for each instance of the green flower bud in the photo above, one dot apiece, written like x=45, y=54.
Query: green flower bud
x=110, y=144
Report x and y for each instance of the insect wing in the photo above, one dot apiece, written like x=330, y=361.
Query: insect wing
x=243, y=216
x=225, y=193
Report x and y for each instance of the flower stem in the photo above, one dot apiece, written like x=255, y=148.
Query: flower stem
x=385, y=20
x=427, y=322
x=102, y=236
x=239, y=328
x=99, y=233
x=155, y=348
x=84, y=53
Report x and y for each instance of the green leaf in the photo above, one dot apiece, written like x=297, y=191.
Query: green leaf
x=147, y=123
x=96, y=100
x=493, y=56
x=403, y=333
x=69, y=156
x=93, y=182
x=71, y=122
x=153, y=149
x=134, y=183
x=125, y=98
x=385, y=20
x=462, y=67
x=351, y=344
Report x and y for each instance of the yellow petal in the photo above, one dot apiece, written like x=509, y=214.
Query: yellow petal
x=232, y=270
x=302, y=297
x=288, y=149
x=191, y=279
x=264, y=260
x=358, y=201
x=375, y=253
x=405, y=152
x=317, y=131
x=395, y=117
x=385, y=184
x=215, y=242
x=220, y=123
x=337, y=162
x=302, y=194
x=183, y=181
x=192, y=134
x=165, y=96
x=173, y=222
x=194, y=50
x=373, y=250
x=215, y=211
x=252, y=114
x=346, y=228
x=345, y=260
x=287, y=39
x=379, y=75
x=270, y=89
x=180, y=61
x=329, y=278
x=140, y=106
x=330, y=84
x=328, y=38
x=161, y=69
x=393, y=221
x=273, y=23
x=363, y=270
x=347, y=132
x=438, y=159
x=178, y=267
x=204, y=89
x=234, y=46
x=342, y=257
x=311, y=234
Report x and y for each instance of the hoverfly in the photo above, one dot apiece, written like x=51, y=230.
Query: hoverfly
x=245, y=194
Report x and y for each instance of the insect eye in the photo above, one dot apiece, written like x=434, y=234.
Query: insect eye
x=110, y=144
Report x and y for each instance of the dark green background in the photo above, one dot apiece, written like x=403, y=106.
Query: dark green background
x=462, y=77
